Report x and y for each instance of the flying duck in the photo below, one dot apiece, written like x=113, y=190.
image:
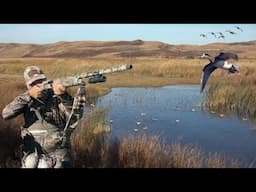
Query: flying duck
x=239, y=28
x=220, y=61
x=203, y=35
x=231, y=32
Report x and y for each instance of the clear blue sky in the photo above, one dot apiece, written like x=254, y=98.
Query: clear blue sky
x=167, y=33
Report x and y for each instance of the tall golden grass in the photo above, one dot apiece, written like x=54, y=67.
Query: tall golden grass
x=143, y=67
x=90, y=149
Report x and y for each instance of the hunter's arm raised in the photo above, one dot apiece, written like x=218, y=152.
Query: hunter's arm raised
x=16, y=107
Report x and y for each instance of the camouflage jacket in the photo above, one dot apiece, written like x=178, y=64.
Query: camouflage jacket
x=53, y=109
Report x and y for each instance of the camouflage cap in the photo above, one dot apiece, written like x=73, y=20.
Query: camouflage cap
x=33, y=73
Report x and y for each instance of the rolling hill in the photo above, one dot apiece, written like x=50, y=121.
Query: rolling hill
x=136, y=48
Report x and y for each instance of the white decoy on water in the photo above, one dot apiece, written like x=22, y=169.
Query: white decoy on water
x=154, y=119
x=138, y=122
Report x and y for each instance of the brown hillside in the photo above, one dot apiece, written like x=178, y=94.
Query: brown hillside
x=136, y=48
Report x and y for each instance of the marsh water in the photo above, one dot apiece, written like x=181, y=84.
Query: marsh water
x=175, y=113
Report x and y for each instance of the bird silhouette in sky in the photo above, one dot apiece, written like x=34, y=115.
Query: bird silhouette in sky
x=212, y=33
x=231, y=32
x=203, y=35
x=239, y=28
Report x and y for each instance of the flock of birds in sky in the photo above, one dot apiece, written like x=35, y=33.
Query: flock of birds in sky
x=221, y=61
x=220, y=35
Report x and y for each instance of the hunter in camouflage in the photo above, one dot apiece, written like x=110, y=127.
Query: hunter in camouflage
x=51, y=115
x=45, y=115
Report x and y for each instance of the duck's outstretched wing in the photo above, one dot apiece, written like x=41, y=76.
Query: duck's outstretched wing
x=207, y=70
x=226, y=56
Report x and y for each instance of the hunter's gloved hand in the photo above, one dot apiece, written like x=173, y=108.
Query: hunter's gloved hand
x=58, y=88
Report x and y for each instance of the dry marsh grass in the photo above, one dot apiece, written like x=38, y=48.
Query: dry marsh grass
x=90, y=149
x=139, y=151
x=157, y=67
x=189, y=156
